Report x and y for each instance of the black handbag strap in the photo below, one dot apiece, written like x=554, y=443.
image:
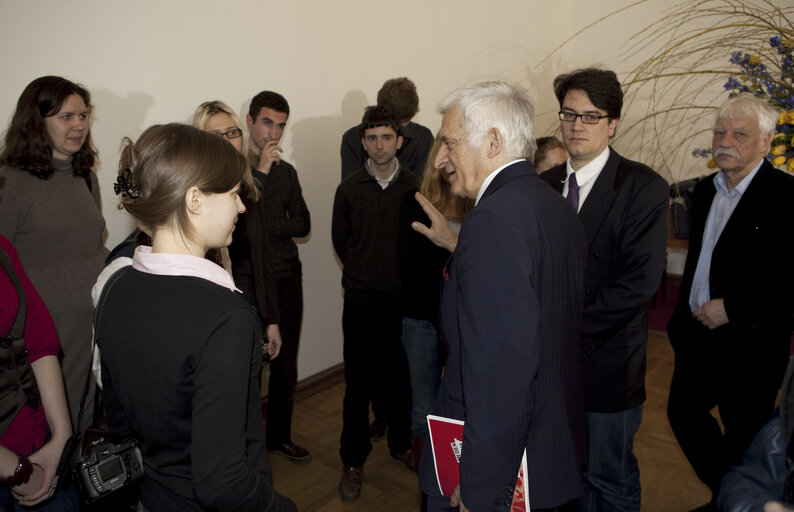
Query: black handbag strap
x=97, y=317
x=18, y=328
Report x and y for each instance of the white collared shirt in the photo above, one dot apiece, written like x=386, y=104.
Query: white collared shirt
x=488, y=179
x=168, y=264
x=384, y=184
x=586, y=176
x=720, y=212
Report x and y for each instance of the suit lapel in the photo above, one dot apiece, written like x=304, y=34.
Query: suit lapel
x=599, y=200
x=749, y=201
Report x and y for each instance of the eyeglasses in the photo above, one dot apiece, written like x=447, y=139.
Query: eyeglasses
x=231, y=134
x=570, y=117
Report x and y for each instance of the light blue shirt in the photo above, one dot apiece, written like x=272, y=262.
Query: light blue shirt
x=721, y=209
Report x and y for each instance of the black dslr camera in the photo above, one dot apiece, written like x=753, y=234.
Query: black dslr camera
x=108, y=467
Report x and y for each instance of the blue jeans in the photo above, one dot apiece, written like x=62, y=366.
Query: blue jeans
x=421, y=344
x=612, y=476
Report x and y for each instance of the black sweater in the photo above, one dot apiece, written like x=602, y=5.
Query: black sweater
x=180, y=368
x=364, y=230
x=421, y=264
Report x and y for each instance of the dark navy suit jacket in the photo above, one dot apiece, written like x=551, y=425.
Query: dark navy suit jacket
x=510, y=315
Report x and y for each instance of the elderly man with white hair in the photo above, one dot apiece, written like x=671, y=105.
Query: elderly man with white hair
x=732, y=325
x=510, y=314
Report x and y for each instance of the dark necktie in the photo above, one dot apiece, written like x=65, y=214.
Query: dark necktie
x=573, y=192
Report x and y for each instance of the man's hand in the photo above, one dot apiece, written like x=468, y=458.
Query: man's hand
x=439, y=231
x=274, y=337
x=712, y=314
x=270, y=154
x=455, y=500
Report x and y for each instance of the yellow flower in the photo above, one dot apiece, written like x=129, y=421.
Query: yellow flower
x=754, y=60
x=778, y=161
x=790, y=165
x=779, y=150
x=713, y=165
x=778, y=136
x=787, y=116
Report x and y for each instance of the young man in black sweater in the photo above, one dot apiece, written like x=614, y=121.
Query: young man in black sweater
x=365, y=232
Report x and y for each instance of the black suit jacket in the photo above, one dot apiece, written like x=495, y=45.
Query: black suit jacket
x=510, y=315
x=624, y=218
x=750, y=271
x=250, y=257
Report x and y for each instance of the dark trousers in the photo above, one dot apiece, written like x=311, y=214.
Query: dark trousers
x=284, y=368
x=739, y=376
x=375, y=366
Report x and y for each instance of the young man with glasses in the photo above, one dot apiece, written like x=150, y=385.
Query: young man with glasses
x=622, y=206
x=287, y=217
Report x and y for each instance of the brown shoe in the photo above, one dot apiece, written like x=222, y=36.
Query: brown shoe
x=294, y=452
x=407, y=458
x=350, y=485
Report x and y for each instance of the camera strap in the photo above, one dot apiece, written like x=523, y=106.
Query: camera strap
x=67, y=456
x=97, y=317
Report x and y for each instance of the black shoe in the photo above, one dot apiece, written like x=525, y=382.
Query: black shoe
x=378, y=429
x=292, y=451
x=350, y=484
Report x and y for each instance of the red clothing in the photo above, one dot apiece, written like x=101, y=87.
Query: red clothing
x=27, y=431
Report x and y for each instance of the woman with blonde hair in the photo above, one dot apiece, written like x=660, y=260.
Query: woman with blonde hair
x=192, y=396
x=421, y=263
x=264, y=258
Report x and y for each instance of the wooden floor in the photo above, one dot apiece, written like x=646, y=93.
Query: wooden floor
x=668, y=483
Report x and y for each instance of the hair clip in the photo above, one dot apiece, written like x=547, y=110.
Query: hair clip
x=125, y=186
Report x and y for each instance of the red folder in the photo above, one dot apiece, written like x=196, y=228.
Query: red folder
x=446, y=441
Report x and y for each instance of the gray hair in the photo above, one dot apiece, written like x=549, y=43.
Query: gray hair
x=497, y=105
x=745, y=105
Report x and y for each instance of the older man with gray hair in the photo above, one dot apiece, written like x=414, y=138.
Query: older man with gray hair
x=732, y=325
x=511, y=312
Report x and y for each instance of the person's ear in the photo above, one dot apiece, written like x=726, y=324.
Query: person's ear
x=193, y=200
x=495, y=142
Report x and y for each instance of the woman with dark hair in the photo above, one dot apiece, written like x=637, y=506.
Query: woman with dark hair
x=192, y=398
x=50, y=211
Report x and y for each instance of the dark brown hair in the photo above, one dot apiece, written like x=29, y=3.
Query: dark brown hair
x=27, y=143
x=165, y=162
x=399, y=96
x=601, y=85
x=546, y=144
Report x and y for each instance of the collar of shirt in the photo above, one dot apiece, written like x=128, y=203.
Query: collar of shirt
x=588, y=173
x=721, y=184
x=168, y=264
x=490, y=178
x=383, y=184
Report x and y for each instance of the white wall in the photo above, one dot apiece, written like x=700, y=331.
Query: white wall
x=154, y=61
